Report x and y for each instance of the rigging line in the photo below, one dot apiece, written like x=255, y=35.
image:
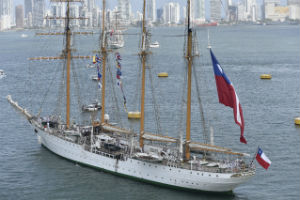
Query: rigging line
x=77, y=86
x=183, y=101
x=155, y=105
x=138, y=85
x=61, y=91
x=47, y=91
x=30, y=84
x=200, y=105
x=114, y=97
x=205, y=132
x=211, y=113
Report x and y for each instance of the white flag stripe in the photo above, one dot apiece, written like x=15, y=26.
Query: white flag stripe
x=265, y=158
x=238, y=114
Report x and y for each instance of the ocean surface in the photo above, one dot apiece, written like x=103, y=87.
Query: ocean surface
x=29, y=171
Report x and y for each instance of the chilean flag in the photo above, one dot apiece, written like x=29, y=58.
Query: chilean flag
x=227, y=95
x=262, y=159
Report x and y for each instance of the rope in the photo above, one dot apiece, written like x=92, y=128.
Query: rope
x=47, y=91
x=61, y=92
x=75, y=77
x=114, y=97
x=205, y=134
x=155, y=105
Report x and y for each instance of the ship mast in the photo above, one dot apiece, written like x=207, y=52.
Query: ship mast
x=189, y=92
x=143, y=55
x=68, y=53
x=103, y=53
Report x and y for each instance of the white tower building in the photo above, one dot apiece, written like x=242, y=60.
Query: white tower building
x=215, y=10
x=124, y=8
x=198, y=11
x=6, y=14
x=151, y=10
x=38, y=13
x=171, y=13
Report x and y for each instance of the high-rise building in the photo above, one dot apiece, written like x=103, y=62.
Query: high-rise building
x=293, y=2
x=19, y=16
x=198, y=11
x=241, y=11
x=6, y=7
x=58, y=10
x=171, y=13
x=215, y=10
x=251, y=10
x=159, y=14
x=124, y=8
x=90, y=4
x=74, y=12
x=151, y=10
x=232, y=13
x=277, y=2
x=294, y=9
x=28, y=4
x=5, y=14
x=38, y=13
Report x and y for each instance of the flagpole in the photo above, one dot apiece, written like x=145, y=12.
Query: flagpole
x=254, y=155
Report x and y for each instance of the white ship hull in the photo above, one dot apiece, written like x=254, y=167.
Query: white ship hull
x=145, y=171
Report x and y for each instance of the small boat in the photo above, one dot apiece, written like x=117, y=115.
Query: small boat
x=116, y=40
x=90, y=66
x=94, y=77
x=24, y=35
x=116, y=45
x=2, y=74
x=91, y=107
x=154, y=44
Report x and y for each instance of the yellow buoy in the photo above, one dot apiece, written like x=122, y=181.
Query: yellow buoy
x=265, y=76
x=163, y=74
x=297, y=120
x=134, y=115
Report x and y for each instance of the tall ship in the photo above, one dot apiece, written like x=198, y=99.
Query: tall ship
x=116, y=38
x=148, y=157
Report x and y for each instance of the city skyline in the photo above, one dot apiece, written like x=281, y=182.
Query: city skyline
x=137, y=4
x=171, y=13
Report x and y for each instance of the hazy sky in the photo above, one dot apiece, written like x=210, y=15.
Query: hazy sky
x=137, y=4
